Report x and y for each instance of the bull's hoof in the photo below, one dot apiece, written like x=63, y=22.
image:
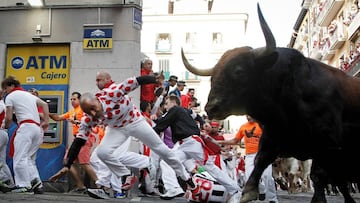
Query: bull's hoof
x=249, y=196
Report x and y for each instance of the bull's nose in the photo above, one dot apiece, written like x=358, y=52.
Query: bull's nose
x=211, y=110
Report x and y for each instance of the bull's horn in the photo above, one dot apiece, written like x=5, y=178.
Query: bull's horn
x=191, y=68
x=269, y=37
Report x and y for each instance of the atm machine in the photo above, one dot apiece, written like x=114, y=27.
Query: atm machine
x=34, y=65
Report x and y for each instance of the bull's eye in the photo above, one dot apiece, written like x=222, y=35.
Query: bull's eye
x=238, y=70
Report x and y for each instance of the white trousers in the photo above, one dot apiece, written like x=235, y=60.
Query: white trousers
x=105, y=176
x=154, y=169
x=190, y=148
x=267, y=183
x=5, y=173
x=141, y=130
x=168, y=176
x=28, y=139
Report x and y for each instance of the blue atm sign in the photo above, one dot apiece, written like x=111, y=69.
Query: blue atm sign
x=97, y=38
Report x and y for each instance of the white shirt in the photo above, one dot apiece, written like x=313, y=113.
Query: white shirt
x=24, y=105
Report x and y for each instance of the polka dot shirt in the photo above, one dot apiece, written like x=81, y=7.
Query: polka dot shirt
x=118, y=110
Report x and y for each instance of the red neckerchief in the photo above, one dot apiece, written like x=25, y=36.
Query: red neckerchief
x=16, y=88
x=108, y=84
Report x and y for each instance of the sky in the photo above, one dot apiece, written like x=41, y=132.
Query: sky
x=281, y=16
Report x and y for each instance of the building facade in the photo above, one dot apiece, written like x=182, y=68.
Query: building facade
x=58, y=48
x=203, y=29
x=328, y=30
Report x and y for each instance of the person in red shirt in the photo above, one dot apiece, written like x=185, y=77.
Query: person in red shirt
x=147, y=91
x=187, y=98
x=215, y=133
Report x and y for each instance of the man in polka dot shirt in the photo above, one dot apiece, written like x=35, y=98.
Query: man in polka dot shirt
x=113, y=107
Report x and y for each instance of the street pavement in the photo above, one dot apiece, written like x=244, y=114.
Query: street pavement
x=283, y=197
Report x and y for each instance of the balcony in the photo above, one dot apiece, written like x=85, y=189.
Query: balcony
x=354, y=68
x=328, y=54
x=329, y=11
x=337, y=41
x=354, y=25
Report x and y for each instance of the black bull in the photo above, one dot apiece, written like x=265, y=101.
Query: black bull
x=308, y=110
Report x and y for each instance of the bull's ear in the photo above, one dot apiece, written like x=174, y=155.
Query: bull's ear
x=266, y=61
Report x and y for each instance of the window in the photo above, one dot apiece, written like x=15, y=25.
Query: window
x=217, y=40
x=190, y=41
x=163, y=42
x=164, y=65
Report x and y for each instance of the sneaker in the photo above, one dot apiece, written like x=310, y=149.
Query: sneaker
x=129, y=183
x=78, y=191
x=35, y=183
x=171, y=194
x=235, y=198
x=4, y=187
x=119, y=195
x=39, y=190
x=98, y=194
x=23, y=190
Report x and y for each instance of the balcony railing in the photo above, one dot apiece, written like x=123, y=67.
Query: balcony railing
x=354, y=25
x=336, y=41
x=329, y=11
x=328, y=54
x=354, y=67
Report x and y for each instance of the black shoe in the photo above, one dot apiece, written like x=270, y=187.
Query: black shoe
x=261, y=197
x=35, y=183
x=39, y=190
x=191, y=183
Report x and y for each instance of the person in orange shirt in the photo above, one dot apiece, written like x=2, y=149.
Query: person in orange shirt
x=74, y=116
x=251, y=131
